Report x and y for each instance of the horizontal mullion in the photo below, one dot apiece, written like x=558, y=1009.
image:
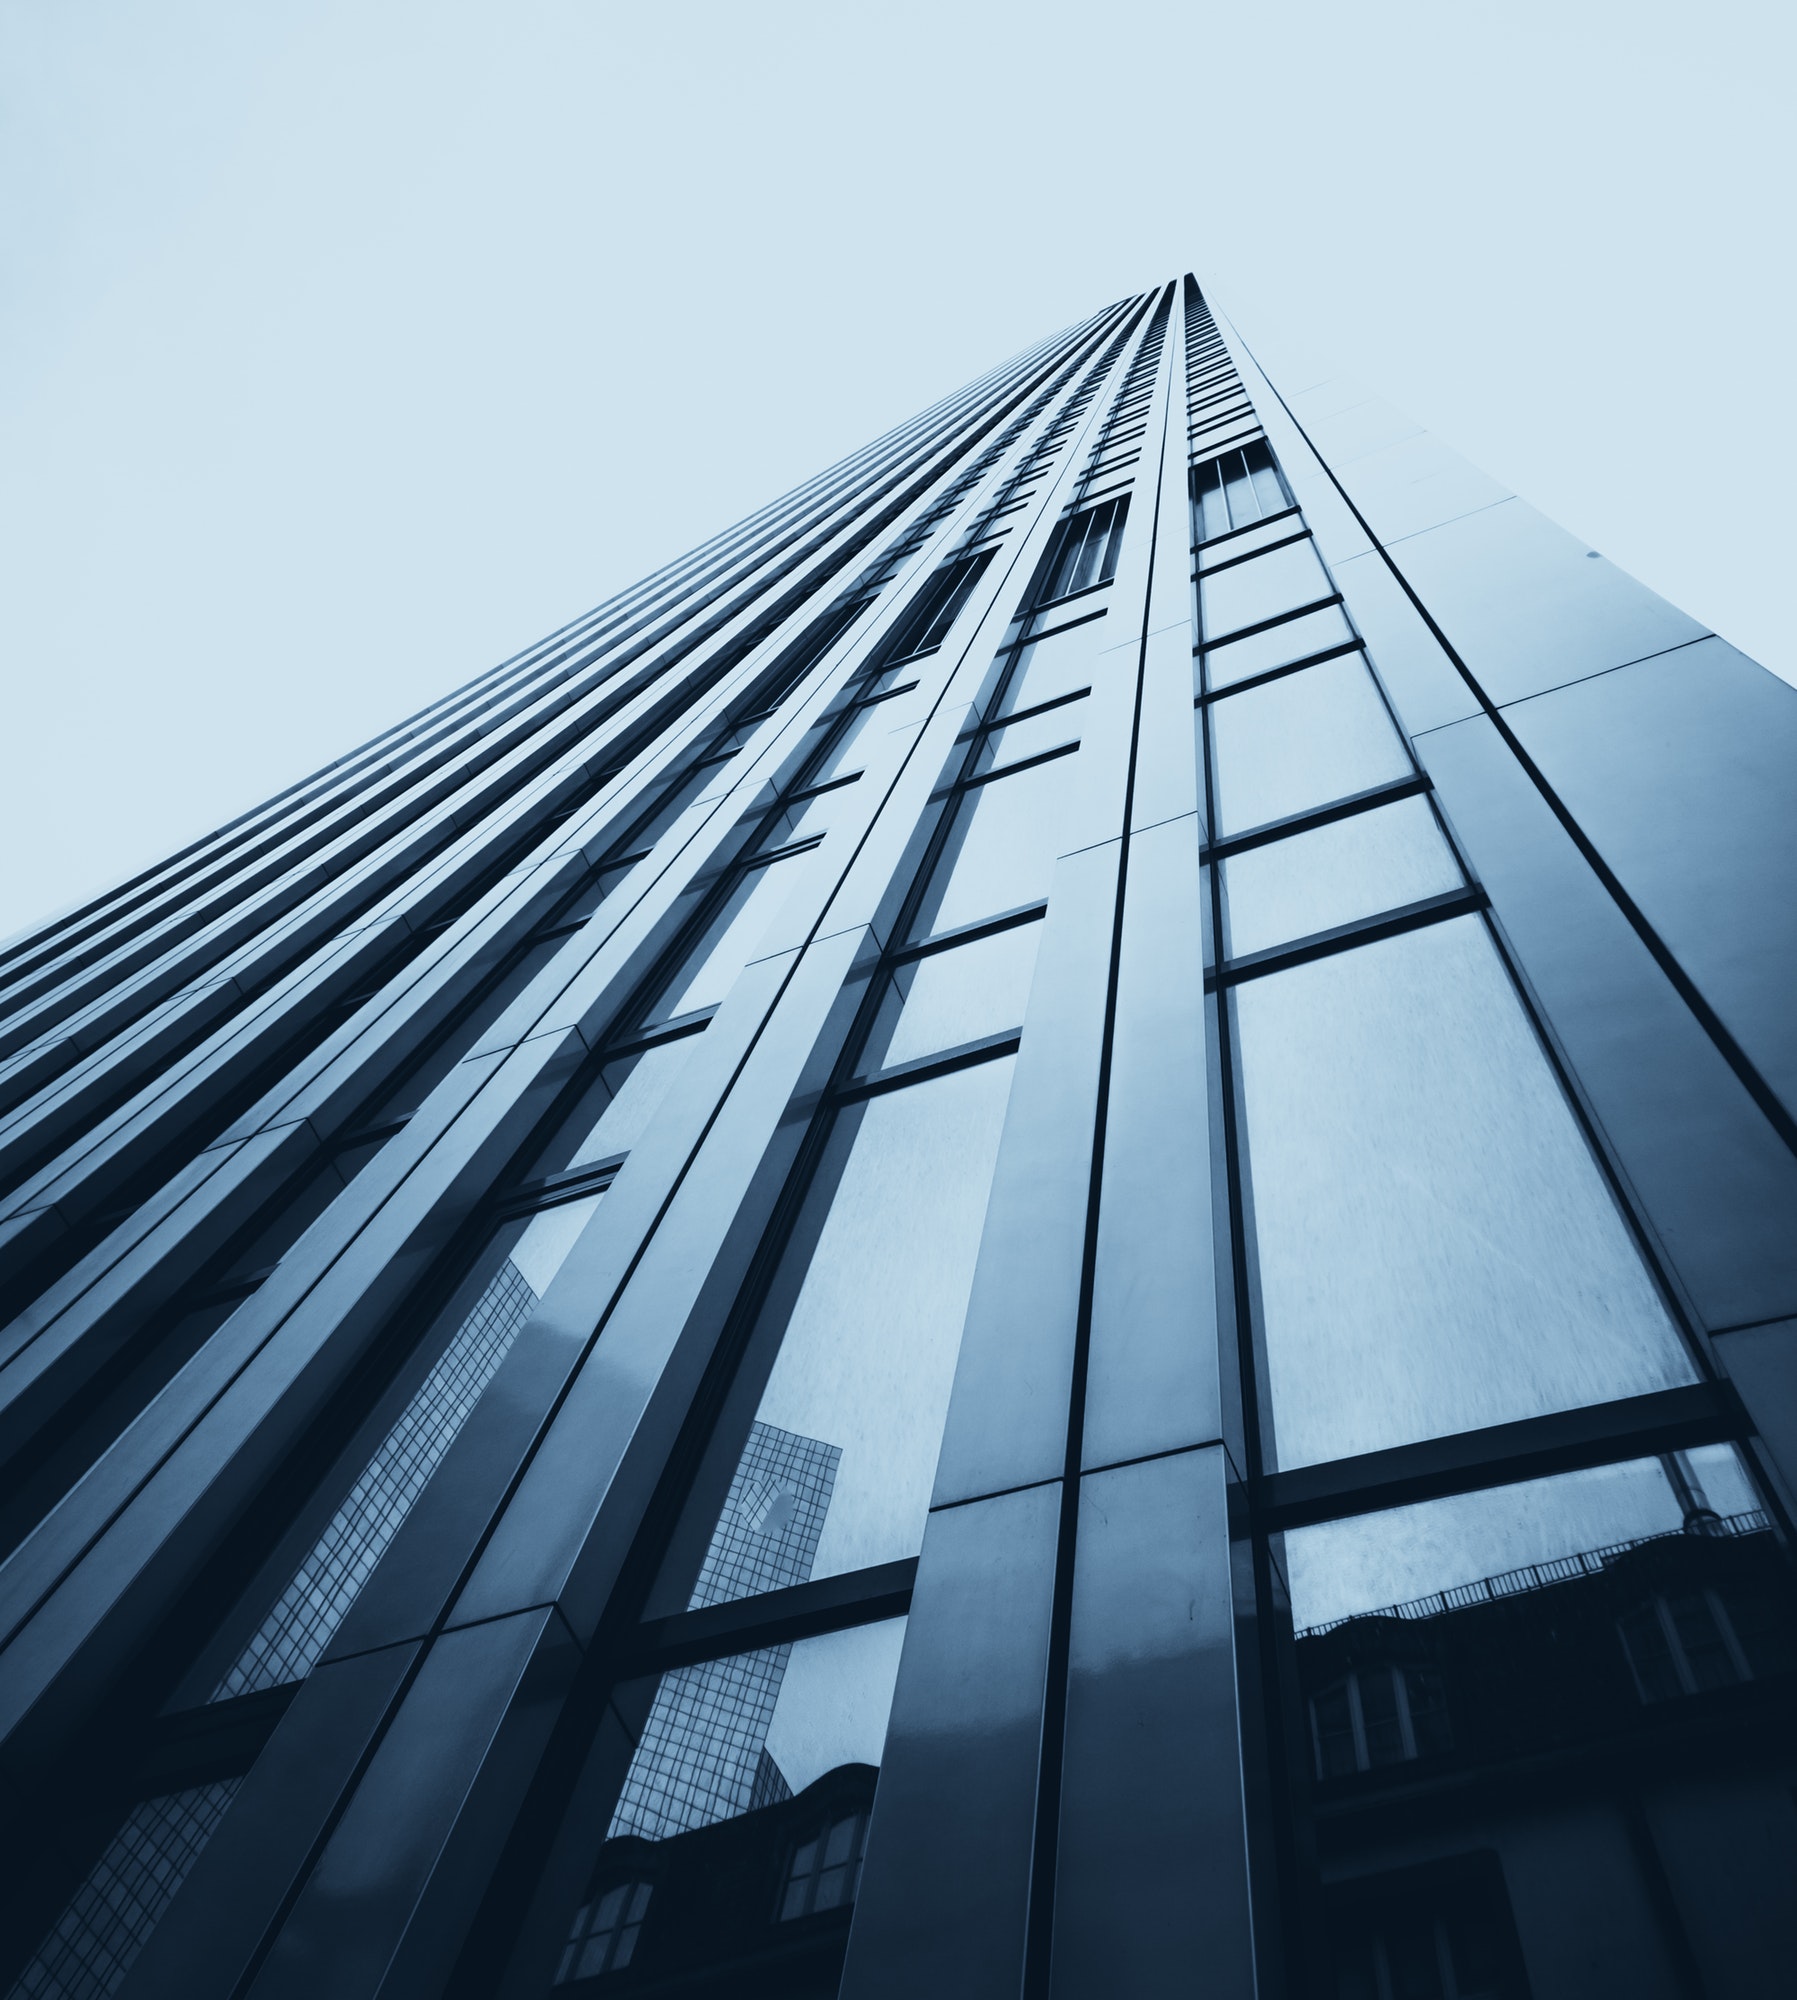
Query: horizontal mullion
x=1346, y=937
x=922, y=1069
x=772, y=1618
x=1303, y=822
x=1678, y=1419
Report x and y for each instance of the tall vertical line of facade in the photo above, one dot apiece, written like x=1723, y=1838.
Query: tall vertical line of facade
x=1030, y=1234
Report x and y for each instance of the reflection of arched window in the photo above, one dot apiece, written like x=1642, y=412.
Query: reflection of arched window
x=1682, y=1642
x=604, y=1932
x=1378, y=1715
x=823, y=1871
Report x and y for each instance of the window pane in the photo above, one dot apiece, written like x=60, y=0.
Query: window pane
x=1419, y=1562
x=616, y=1108
x=1301, y=742
x=836, y=1471
x=953, y=997
x=807, y=819
x=1246, y=593
x=785, y=1737
x=1355, y=868
x=1018, y=740
x=510, y=1279
x=734, y=932
x=1001, y=851
x=1278, y=646
x=1048, y=668
x=850, y=750
x=1437, y=1248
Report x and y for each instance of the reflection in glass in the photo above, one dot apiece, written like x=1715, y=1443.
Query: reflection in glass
x=1001, y=849
x=1277, y=646
x=954, y=997
x=806, y=818
x=1301, y=742
x=742, y=1817
x=1353, y=868
x=1248, y=593
x=511, y=1278
x=837, y=1469
x=1438, y=1250
x=1614, y=1628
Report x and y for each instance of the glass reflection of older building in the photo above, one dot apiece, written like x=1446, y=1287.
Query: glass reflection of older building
x=1031, y=1235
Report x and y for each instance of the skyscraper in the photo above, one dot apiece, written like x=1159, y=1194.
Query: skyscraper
x=1190, y=984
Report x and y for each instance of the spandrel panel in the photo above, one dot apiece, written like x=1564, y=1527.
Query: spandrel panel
x=954, y=997
x=1278, y=646
x=472, y=1338
x=1249, y=592
x=1001, y=849
x=837, y=1468
x=1301, y=742
x=1335, y=874
x=1438, y=1250
x=744, y=1811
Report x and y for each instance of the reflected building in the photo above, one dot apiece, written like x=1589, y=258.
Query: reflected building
x=1034, y=1229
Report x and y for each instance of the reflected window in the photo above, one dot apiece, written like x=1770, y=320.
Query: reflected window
x=1681, y=1642
x=1378, y=1715
x=1236, y=489
x=604, y=1932
x=824, y=1870
x=470, y=1341
x=1439, y=1933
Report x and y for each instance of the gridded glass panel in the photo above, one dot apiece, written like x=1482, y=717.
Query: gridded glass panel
x=954, y=997
x=735, y=931
x=1437, y=1248
x=867, y=1354
x=1048, y=668
x=1001, y=850
x=1278, y=646
x=754, y=1732
x=290, y=1640
x=110, y=1917
x=1354, y=868
x=1248, y=593
x=1235, y=489
x=1299, y=743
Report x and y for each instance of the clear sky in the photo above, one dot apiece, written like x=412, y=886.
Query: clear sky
x=349, y=345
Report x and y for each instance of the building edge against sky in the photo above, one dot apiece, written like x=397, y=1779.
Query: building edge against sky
x=1035, y=1227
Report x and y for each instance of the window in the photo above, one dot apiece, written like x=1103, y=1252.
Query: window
x=604, y=1932
x=1084, y=553
x=1689, y=1641
x=1378, y=1715
x=1429, y=1934
x=925, y=625
x=824, y=1870
x=1235, y=490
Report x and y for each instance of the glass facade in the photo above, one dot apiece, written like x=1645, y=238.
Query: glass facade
x=1031, y=1235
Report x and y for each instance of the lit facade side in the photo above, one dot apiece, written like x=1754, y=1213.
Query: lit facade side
x=1034, y=1235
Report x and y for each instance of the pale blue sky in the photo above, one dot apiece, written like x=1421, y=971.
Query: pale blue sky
x=349, y=345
